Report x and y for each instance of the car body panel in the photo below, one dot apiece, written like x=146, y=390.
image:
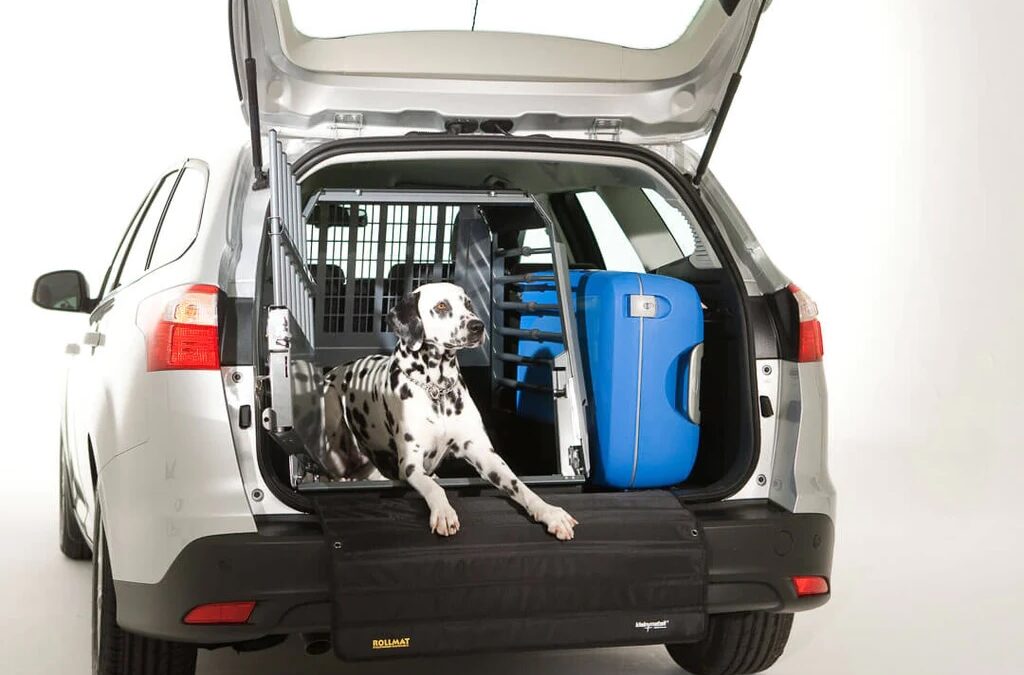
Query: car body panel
x=180, y=468
x=181, y=484
x=393, y=83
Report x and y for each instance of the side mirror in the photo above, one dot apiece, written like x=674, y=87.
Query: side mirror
x=64, y=291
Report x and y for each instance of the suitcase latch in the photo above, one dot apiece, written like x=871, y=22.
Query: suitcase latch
x=643, y=306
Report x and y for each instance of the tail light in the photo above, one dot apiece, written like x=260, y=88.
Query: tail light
x=181, y=329
x=810, y=586
x=220, y=613
x=811, y=347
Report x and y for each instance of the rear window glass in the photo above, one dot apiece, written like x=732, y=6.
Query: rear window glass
x=647, y=24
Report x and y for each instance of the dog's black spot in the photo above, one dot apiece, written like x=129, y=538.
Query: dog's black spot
x=459, y=404
x=351, y=397
x=395, y=373
x=364, y=372
x=366, y=406
x=405, y=392
x=392, y=446
x=432, y=454
x=515, y=485
x=493, y=477
x=409, y=470
x=408, y=436
x=417, y=367
x=348, y=376
x=467, y=444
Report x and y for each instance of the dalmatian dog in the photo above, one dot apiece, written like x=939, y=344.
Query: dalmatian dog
x=400, y=415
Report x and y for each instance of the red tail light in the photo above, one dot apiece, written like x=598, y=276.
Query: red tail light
x=181, y=329
x=810, y=586
x=220, y=613
x=811, y=348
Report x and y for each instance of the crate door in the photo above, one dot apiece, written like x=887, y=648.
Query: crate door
x=296, y=414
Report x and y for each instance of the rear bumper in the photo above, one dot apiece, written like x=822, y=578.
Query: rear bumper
x=754, y=548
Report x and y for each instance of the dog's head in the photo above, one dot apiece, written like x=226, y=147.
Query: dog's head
x=440, y=314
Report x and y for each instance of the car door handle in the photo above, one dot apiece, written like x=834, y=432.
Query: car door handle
x=93, y=339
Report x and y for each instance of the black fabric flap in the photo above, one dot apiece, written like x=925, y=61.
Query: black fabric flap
x=634, y=574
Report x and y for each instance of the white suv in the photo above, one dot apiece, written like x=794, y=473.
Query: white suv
x=199, y=504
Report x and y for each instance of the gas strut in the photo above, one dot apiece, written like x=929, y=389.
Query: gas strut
x=260, y=182
x=723, y=108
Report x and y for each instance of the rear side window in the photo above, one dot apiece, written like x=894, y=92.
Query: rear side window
x=178, y=229
x=639, y=230
x=616, y=249
x=134, y=265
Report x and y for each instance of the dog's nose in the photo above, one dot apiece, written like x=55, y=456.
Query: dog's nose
x=476, y=327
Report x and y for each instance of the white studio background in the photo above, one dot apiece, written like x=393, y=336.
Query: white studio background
x=876, y=149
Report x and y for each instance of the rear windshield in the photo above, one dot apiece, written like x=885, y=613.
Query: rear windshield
x=642, y=24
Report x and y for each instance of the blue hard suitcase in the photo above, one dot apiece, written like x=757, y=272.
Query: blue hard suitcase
x=641, y=340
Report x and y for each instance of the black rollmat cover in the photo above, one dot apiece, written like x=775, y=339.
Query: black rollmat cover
x=634, y=574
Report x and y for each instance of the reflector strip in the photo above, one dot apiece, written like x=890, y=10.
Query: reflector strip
x=810, y=586
x=220, y=613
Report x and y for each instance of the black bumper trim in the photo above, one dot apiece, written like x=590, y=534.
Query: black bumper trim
x=753, y=550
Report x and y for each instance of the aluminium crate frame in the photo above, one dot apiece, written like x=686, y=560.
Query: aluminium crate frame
x=295, y=417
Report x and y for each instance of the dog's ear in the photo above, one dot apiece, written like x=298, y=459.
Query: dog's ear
x=404, y=319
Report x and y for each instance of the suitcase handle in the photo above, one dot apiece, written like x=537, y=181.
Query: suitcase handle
x=691, y=395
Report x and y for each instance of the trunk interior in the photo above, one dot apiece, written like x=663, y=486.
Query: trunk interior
x=609, y=216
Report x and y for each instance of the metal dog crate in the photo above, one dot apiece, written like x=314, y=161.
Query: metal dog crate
x=344, y=261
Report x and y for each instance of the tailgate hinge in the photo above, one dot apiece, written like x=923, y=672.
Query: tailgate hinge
x=347, y=125
x=605, y=129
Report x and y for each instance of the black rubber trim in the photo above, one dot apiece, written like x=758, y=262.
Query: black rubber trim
x=236, y=340
x=764, y=329
x=234, y=48
x=729, y=6
x=541, y=144
x=754, y=548
x=785, y=315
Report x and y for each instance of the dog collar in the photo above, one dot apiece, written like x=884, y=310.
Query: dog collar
x=435, y=391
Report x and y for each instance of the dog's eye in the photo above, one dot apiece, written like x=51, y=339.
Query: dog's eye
x=442, y=307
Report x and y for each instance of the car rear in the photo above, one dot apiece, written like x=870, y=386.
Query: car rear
x=755, y=514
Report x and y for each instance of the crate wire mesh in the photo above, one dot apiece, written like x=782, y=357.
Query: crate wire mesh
x=362, y=250
x=367, y=256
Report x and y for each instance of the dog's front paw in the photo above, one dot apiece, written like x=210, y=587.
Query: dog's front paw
x=558, y=521
x=444, y=521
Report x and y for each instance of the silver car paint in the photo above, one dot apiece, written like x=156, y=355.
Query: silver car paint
x=184, y=481
x=792, y=467
x=393, y=83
